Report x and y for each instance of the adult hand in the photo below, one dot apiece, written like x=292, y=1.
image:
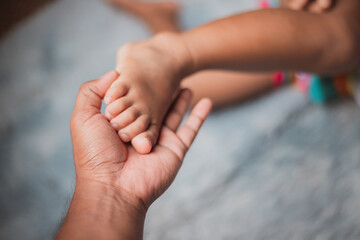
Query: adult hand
x=101, y=156
x=113, y=176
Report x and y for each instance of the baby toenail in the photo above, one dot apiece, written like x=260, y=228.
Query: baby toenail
x=107, y=100
x=108, y=115
x=114, y=125
x=124, y=137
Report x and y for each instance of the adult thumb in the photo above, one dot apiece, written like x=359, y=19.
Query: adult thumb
x=90, y=95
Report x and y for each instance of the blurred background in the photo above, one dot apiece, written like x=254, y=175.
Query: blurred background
x=273, y=168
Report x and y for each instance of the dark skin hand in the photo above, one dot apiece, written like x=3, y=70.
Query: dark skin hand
x=115, y=185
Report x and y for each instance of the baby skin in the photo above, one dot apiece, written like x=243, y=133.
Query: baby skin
x=151, y=71
x=139, y=99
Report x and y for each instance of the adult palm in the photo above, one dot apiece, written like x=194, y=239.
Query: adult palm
x=101, y=156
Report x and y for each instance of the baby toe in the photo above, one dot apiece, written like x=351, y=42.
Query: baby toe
x=125, y=118
x=133, y=129
x=117, y=107
x=144, y=142
x=117, y=90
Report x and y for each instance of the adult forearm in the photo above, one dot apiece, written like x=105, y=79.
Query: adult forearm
x=98, y=211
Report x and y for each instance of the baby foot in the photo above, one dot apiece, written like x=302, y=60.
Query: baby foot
x=136, y=109
x=150, y=74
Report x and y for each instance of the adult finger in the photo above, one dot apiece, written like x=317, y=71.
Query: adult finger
x=187, y=133
x=177, y=112
x=91, y=93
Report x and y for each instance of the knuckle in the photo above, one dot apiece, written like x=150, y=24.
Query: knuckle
x=84, y=87
x=191, y=130
x=87, y=88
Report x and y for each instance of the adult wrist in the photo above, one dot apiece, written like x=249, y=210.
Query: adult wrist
x=104, y=210
x=114, y=198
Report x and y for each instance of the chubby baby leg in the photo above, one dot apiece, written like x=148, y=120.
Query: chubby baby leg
x=226, y=87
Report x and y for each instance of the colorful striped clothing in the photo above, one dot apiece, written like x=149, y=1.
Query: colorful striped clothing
x=319, y=89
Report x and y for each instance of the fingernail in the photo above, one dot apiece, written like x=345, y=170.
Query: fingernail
x=124, y=137
x=114, y=125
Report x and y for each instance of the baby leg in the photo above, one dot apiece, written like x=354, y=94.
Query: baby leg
x=159, y=16
x=226, y=87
